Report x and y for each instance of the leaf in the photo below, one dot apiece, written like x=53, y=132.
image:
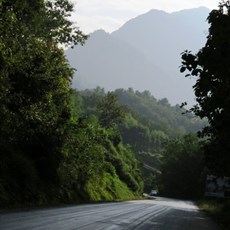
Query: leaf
x=182, y=69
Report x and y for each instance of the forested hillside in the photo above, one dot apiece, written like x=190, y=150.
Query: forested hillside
x=148, y=124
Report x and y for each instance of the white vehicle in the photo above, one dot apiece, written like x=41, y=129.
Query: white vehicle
x=153, y=192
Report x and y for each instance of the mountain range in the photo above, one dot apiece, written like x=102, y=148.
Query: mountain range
x=144, y=54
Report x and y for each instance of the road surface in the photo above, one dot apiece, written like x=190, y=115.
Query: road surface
x=158, y=214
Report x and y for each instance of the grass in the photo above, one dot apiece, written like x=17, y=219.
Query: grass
x=218, y=210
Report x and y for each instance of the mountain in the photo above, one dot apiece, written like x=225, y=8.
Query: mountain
x=143, y=54
x=111, y=63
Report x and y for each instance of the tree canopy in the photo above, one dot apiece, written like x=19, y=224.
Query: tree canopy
x=211, y=66
x=182, y=168
x=34, y=96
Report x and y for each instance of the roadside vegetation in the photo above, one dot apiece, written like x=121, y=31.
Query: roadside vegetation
x=218, y=210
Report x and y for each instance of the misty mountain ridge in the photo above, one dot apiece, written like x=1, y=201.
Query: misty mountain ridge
x=143, y=54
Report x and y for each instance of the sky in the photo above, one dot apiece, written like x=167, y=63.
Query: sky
x=109, y=15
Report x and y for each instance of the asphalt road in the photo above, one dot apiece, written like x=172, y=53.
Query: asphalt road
x=158, y=214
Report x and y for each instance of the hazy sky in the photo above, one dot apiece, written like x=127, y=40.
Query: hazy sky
x=109, y=15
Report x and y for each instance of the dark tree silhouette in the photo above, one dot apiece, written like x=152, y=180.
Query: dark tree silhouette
x=211, y=66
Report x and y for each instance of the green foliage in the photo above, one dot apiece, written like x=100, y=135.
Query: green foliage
x=34, y=97
x=211, y=67
x=84, y=157
x=151, y=163
x=217, y=209
x=93, y=138
x=127, y=168
x=19, y=180
x=147, y=126
x=90, y=172
x=158, y=115
x=110, y=113
x=110, y=188
x=181, y=168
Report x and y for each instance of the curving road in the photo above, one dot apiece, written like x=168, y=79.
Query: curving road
x=157, y=214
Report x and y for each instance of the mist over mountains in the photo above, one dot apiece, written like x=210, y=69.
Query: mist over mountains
x=143, y=54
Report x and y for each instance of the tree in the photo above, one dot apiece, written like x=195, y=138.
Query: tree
x=212, y=88
x=34, y=94
x=182, y=168
x=110, y=112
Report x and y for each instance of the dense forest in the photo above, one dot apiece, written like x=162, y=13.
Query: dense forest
x=147, y=125
x=60, y=145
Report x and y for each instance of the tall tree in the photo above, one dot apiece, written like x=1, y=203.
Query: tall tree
x=34, y=92
x=211, y=66
x=182, y=168
x=111, y=113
